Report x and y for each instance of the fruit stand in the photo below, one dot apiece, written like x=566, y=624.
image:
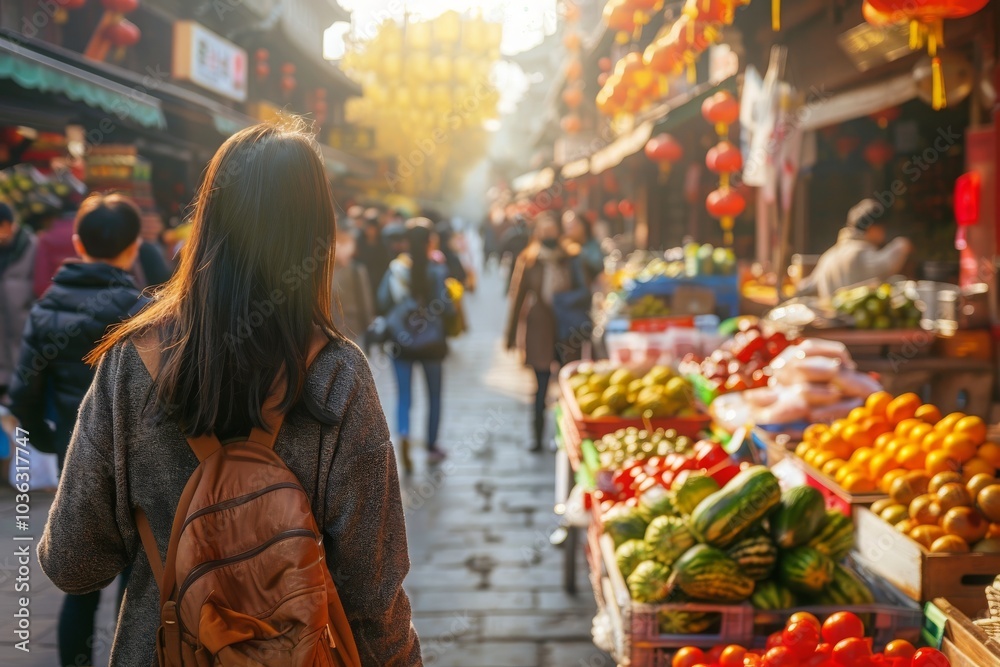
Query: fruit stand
x=876, y=503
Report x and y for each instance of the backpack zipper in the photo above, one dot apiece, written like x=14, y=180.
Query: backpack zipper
x=205, y=568
x=234, y=502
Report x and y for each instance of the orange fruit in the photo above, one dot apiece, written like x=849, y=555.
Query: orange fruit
x=928, y=413
x=821, y=457
x=911, y=457
x=880, y=464
x=973, y=427
x=895, y=445
x=959, y=446
x=858, y=483
x=883, y=440
x=938, y=461
x=855, y=436
x=946, y=424
x=885, y=483
x=830, y=467
x=904, y=427
x=977, y=466
x=925, y=510
x=841, y=473
x=933, y=440
x=862, y=455
x=919, y=432
x=902, y=407
x=837, y=426
x=813, y=431
x=991, y=452
x=858, y=415
x=876, y=426
x=802, y=448
x=840, y=449
x=878, y=402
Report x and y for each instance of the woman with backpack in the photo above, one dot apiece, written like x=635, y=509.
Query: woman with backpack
x=228, y=448
x=415, y=301
x=549, y=302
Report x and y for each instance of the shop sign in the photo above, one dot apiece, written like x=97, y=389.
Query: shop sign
x=210, y=61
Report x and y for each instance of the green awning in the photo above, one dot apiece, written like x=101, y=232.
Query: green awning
x=227, y=126
x=35, y=71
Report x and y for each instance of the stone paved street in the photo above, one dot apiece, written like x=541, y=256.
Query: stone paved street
x=486, y=584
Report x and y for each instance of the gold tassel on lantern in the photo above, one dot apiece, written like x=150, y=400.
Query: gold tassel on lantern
x=935, y=38
x=775, y=15
x=726, y=222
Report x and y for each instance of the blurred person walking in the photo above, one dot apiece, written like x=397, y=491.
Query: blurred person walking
x=581, y=232
x=84, y=299
x=547, y=284
x=18, y=247
x=204, y=364
x=353, y=306
x=371, y=251
x=415, y=301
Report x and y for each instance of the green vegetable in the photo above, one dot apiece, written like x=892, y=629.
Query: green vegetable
x=668, y=538
x=649, y=582
x=625, y=523
x=630, y=554
x=798, y=517
x=721, y=518
x=707, y=573
x=805, y=571
x=771, y=595
x=835, y=537
x=756, y=555
x=693, y=490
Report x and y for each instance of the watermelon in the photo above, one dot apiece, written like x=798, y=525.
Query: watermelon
x=649, y=582
x=625, y=523
x=630, y=554
x=657, y=501
x=835, y=536
x=695, y=488
x=668, y=538
x=771, y=595
x=798, y=517
x=757, y=555
x=805, y=570
x=707, y=573
x=847, y=588
x=721, y=518
x=675, y=622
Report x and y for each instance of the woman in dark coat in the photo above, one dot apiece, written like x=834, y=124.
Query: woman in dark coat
x=547, y=269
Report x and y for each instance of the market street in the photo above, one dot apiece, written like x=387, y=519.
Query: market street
x=487, y=509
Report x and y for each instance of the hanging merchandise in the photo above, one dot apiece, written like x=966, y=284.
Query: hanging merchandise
x=620, y=18
x=724, y=158
x=926, y=19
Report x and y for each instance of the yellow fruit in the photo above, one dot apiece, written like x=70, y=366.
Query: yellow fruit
x=802, y=448
x=841, y=474
x=880, y=464
x=977, y=466
x=862, y=455
x=925, y=535
x=953, y=494
x=991, y=452
x=813, y=431
x=949, y=544
x=942, y=478
x=902, y=407
x=837, y=426
x=933, y=440
x=959, y=446
x=904, y=427
x=885, y=483
x=947, y=424
x=906, y=525
x=810, y=455
x=858, y=483
x=965, y=522
x=883, y=440
x=830, y=467
x=894, y=513
x=876, y=426
x=973, y=427
x=878, y=402
x=840, y=449
x=821, y=457
x=858, y=415
x=919, y=432
x=911, y=457
x=938, y=461
x=925, y=510
x=881, y=505
x=895, y=446
x=979, y=482
x=928, y=413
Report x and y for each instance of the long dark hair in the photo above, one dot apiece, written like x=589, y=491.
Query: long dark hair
x=418, y=237
x=253, y=283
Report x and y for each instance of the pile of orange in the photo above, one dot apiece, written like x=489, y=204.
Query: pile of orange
x=888, y=437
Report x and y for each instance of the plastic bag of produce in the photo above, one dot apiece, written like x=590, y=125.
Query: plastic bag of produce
x=817, y=347
x=817, y=369
x=790, y=406
x=818, y=394
x=856, y=383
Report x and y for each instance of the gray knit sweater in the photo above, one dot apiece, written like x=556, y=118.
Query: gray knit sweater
x=335, y=441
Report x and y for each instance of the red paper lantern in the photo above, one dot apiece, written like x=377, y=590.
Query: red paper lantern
x=619, y=17
x=572, y=41
x=288, y=83
x=713, y=11
x=664, y=150
x=120, y=6
x=572, y=97
x=878, y=153
x=885, y=116
x=722, y=109
x=611, y=209
x=574, y=70
x=663, y=57
x=633, y=72
x=626, y=208
x=571, y=124
x=878, y=19
x=725, y=203
x=263, y=70
x=602, y=78
x=288, y=69
x=724, y=157
x=605, y=64
x=123, y=34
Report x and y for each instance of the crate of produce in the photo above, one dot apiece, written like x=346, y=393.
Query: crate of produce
x=666, y=397
x=962, y=641
x=835, y=495
x=919, y=573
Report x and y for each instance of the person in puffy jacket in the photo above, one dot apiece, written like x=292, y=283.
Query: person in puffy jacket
x=84, y=299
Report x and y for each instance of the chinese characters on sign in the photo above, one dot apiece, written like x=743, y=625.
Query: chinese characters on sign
x=209, y=61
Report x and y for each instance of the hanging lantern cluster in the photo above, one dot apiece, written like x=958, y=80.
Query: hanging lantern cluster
x=262, y=64
x=118, y=30
x=572, y=95
x=628, y=17
x=61, y=15
x=288, y=81
x=664, y=150
x=319, y=106
x=926, y=19
x=724, y=159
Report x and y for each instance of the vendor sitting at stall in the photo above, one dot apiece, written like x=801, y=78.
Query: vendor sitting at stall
x=858, y=255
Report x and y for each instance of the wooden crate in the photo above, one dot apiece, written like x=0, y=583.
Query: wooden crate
x=836, y=497
x=920, y=574
x=961, y=641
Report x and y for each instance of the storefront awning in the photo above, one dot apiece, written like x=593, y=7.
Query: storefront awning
x=35, y=71
x=339, y=163
x=859, y=102
x=627, y=144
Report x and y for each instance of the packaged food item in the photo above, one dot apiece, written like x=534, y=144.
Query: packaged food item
x=817, y=369
x=788, y=407
x=856, y=383
x=819, y=394
x=818, y=347
x=760, y=397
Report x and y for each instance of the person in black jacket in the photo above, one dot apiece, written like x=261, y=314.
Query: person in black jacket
x=85, y=298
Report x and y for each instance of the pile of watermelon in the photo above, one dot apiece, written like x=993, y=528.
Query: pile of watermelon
x=744, y=541
x=805, y=642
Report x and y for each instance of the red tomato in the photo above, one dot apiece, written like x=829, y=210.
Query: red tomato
x=899, y=648
x=842, y=625
x=732, y=656
x=753, y=660
x=715, y=653
x=774, y=639
x=802, y=637
x=821, y=658
x=852, y=652
x=930, y=657
x=804, y=616
x=780, y=656
x=689, y=656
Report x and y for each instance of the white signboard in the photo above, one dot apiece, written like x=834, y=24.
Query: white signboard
x=209, y=61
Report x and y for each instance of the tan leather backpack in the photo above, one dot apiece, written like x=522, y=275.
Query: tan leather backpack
x=245, y=581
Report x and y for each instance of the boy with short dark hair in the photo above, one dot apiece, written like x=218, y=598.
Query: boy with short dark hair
x=85, y=298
